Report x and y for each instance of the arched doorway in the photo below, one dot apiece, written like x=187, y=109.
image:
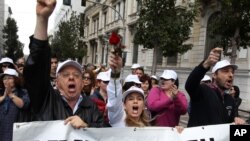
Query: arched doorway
x=211, y=41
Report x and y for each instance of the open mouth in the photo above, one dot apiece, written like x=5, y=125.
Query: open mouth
x=72, y=87
x=135, y=109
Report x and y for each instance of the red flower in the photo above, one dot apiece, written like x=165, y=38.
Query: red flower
x=114, y=39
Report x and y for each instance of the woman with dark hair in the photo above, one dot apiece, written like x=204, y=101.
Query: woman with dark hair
x=154, y=81
x=166, y=103
x=235, y=93
x=5, y=63
x=89, y=80
x=146, y=84
x=131, y=80
x=13, y=99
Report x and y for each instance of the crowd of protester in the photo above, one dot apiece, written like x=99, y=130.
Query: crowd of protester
x=44, y=89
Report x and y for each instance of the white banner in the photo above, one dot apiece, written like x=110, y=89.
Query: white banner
x=56, y=130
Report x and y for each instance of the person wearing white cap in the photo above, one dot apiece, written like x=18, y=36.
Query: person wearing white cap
x=209, y=103
x=5, y=63
x=67, y=103
x=13, y=100
x=166, y=102
x=125, y=109
x=206, y=79
x=134, y=67
x=100, y=96
x=131, y=80
x=154, y=81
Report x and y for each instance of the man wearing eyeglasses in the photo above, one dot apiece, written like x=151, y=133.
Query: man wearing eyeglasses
x=67, y=103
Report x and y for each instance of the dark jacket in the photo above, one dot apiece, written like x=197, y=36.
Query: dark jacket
x=101, y=104
x=208, y=105
x=47, y=103
x=9, y=113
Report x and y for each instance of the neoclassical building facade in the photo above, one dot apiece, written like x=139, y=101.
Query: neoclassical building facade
x=101, y=19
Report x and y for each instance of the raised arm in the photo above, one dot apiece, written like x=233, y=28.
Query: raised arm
x=193, y=81
x=116, y=112
x=37, y=67
x=44, y=9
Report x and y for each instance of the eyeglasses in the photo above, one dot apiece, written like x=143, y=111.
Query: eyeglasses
x=67, y=75
x=7, y=77
x=20, y=65
x=86, y=78
x=137, y=85
x=5, y=65
x=106, y=82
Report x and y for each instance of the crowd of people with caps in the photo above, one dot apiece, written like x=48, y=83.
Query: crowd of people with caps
x=40, y=88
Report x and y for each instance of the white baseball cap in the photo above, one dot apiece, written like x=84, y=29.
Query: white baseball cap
x=154, y=77
x=169, y=74
x=206, y=78
x=68, y=63
x=222, y=64
x=133, y=89
x=132, y=78
x=135, y=66
x=6, y=60
x=8, y=71
x=104, y=76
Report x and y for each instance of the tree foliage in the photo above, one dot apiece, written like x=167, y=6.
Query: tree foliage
x=164, y=25
x=232, y=25
x=13, y=48
x=66, y=41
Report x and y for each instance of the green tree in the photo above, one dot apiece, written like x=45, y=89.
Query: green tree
x=13, y=48
x=66, y=42
x=162, y=25
x=232, y=26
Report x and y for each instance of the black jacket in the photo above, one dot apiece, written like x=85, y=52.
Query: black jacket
x=208, y=105
x=47, y=103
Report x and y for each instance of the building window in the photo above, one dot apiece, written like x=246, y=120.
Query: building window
x=104, y=19
x=95, y=24
x=135, y=54
x=211, y=42
x=159, y=56
x=124, y=7
x=119, y=10
x=172, y=61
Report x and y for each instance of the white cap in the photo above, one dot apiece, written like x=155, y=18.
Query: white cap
x=8, y=71
x=132, y=78
x=6, y=60
x=133, y=89
x=222, y=64
x=169, y=74
x=104, y=76
x=154, y=77
x=68, y=63
x=206, y=78
x=135, y=66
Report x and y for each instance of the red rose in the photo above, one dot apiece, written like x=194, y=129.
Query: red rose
x=114, y=39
